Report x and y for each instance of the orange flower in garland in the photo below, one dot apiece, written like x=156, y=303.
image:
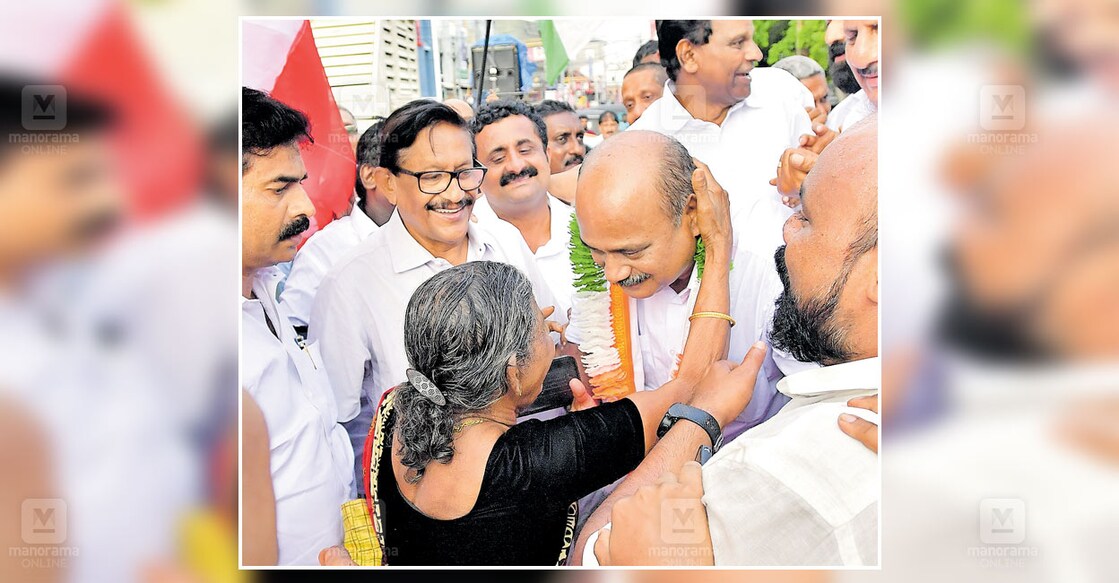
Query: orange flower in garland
x=601, y=311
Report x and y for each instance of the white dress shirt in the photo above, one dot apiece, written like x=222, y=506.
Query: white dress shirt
x=744, y=150
x=358, y=315
x=317, y=256
x=312, y=461
x=552, y=258
x=771, y=80
x=851, y=111
x=796, y=490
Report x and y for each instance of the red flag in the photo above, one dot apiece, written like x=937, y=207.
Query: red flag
x=330, y=162
x=159, y=151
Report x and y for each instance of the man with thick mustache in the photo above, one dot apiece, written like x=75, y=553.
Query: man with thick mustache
x=843, y=79
x=311, y=458
x=512, y=142
x=429, y=171
x=565, y=134
x=860, y=47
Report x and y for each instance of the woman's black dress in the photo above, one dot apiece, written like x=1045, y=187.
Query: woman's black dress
x=526, y=510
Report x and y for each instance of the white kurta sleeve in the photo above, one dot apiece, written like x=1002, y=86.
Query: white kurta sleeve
x=307, y=271
x=343, y=339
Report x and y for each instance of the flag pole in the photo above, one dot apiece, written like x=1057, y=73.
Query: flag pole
x=482, y=71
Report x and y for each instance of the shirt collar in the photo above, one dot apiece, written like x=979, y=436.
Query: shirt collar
x=561, y=224
x=362, y=224
x=862, y=374
x=675, y=116
x=407, y=253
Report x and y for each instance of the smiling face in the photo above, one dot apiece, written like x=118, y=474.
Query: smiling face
x=275, y=210
x=565, y=141
x=622, y=218
x=722, y=66
x=518, y=163
x=861, y=37
x=639, y=90
x=435, y=221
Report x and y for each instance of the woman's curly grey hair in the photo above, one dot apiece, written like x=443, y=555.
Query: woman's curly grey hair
x=460, y=329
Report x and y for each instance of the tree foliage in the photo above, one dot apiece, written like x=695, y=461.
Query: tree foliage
x=781, y=38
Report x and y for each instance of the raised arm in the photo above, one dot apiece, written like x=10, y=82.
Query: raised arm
x=724, y=392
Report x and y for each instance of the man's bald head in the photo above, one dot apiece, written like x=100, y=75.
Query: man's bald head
x=828, y=310
x=850, y=176
x=650, y=154
x=636, y=210
x=461, y=107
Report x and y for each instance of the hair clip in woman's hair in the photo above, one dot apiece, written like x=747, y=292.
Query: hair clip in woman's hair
x=425, y=387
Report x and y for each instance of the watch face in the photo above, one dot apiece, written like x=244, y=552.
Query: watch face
x=666, y=424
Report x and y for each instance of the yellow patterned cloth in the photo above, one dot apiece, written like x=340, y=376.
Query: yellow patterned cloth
x=360, y=539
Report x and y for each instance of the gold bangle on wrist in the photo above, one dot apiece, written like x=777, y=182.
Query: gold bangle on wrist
x=718, y=315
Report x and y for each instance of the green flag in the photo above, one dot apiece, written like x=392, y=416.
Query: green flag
x=555, y=56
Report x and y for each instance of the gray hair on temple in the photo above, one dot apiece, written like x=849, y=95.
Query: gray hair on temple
x=800, y=66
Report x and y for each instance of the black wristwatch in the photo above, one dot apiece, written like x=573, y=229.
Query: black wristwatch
x=698, y=416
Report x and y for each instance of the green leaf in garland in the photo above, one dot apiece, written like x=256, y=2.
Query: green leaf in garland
x=588, y=275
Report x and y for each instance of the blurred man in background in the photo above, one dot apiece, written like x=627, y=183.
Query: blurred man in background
x=647, y=53
x=512, y=143
x=349, y=122
x=60, y=201
x=565, y=134
x=811, y=74
x=641, y=86
x=332, y=242
x=843, y=79
x=860, y=38
x=311, y=458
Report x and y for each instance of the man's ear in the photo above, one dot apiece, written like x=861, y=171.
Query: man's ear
x=386, y=183
x=512, y=375
x=871, y=265
x=685, y=53
x=691, y=215
x=367, y=173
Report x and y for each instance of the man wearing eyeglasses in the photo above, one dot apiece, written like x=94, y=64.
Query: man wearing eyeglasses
x=429, y=171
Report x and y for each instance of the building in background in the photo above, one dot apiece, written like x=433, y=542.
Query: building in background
x=372, y=65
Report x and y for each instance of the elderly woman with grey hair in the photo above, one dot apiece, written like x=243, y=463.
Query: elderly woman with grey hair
x=456, y=479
